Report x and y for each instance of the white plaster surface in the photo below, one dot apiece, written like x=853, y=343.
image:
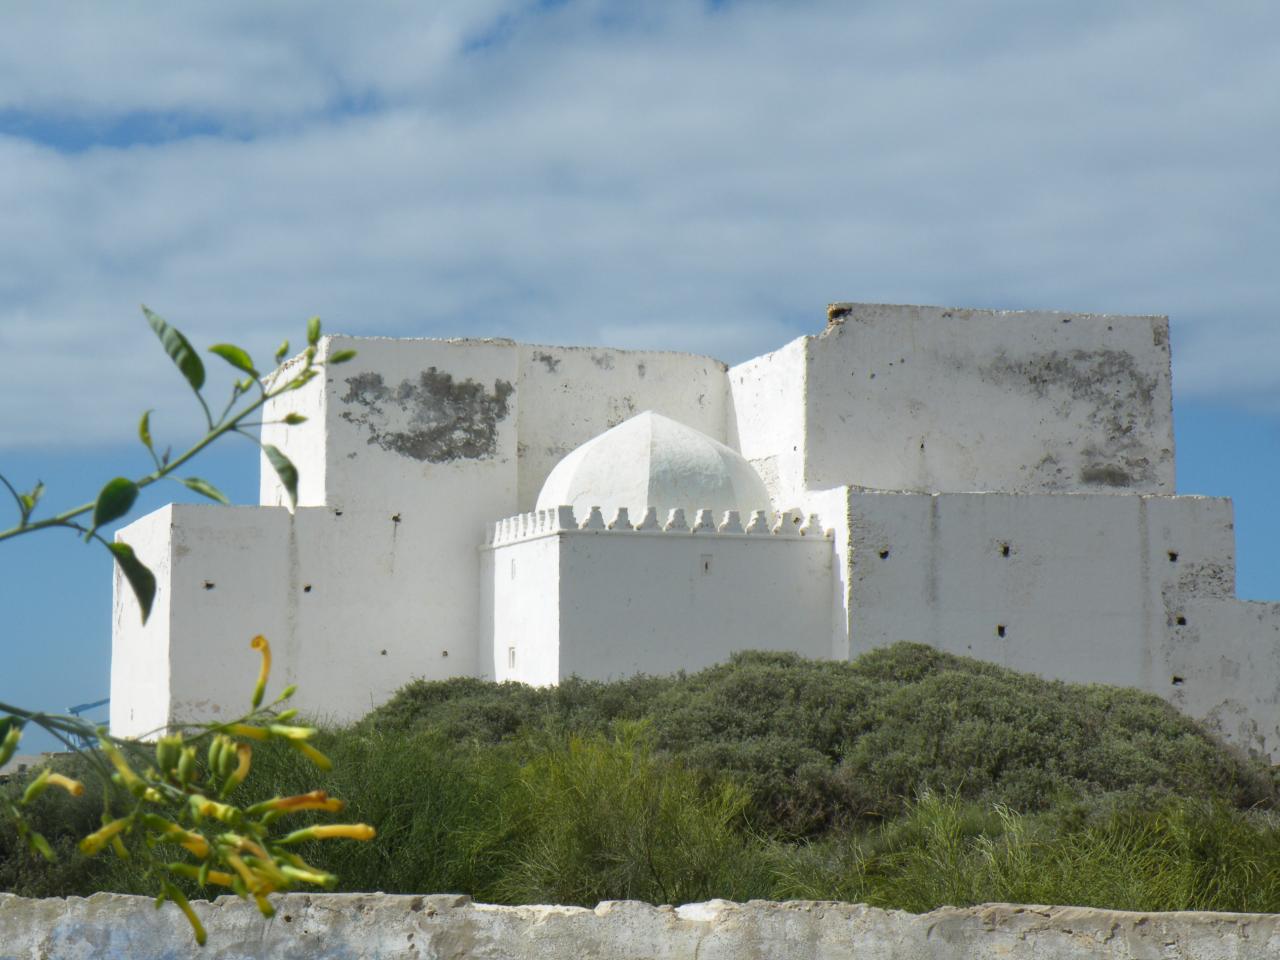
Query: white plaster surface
x=767, y=419
x=567, y=395
x=933, y=398
x=354, y=604
x=654, y=461
x=604, y=604
x=349, y=926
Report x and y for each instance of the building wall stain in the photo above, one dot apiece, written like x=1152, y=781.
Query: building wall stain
x=435, y=419
x=1119, y=401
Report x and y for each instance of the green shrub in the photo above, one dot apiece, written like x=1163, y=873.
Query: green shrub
x=821, y=744
x=907, y=779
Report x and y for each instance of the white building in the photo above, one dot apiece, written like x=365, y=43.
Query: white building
x=994, y=484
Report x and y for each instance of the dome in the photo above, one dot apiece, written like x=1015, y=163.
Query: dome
x=653, y=461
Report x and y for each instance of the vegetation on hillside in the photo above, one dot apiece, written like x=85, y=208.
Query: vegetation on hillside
x=908, y=778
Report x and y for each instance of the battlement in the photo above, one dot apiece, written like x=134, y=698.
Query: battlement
x=788, y=524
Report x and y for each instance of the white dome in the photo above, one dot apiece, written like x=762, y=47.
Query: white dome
x=653, y=461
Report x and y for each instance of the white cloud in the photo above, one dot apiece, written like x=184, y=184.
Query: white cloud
x=663, y=175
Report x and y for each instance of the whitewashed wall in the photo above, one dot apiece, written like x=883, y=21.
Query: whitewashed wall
x=930, y=398
x=612, y=603
x=117, y=927
x=522, y=619
x=349, y=602
x=767, y=420
x=568, y=395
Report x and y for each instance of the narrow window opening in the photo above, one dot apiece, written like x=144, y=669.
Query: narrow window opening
x=1173, y=556
x=1004, y=549
x=1181, y=621
x=306, y=588
x=706, y=563
x=384, y=653
x=884, y=554
x=209, y=584
x=1178, y=681
x=1000, y=631
x=444, y=653
x=511, y=658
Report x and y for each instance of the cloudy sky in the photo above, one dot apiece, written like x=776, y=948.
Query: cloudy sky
x=683, y=175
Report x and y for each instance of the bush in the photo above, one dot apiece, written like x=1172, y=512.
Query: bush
x=906, y=779
x=822, y=744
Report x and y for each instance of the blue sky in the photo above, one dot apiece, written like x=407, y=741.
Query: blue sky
x=680, y=175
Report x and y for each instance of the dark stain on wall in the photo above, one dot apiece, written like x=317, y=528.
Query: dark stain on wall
x=435, y=419
x=547, y=360
x=1118, y=397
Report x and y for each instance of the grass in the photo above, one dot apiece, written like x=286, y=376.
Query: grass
x=906, y=779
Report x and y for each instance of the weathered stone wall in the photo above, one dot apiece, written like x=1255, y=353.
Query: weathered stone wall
x=114, y=927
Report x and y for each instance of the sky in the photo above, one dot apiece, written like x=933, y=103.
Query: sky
x=678, y=175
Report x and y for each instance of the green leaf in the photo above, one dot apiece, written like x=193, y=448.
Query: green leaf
x=235, y=356
x=282, y=352
x=114, y=501
x=205, y=489
x=313, y=331
x=30, y=499
x=293, y=419
x=302, y=379
x=142, y=580
x=285, y=470
x=144, y=429
x=178, y=349
x=341, y=356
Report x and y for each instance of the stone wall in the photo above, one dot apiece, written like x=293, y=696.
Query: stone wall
x=116, y=927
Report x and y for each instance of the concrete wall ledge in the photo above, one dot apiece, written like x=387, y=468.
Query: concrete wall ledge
x=109, y=926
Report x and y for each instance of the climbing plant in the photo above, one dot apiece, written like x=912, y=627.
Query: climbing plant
x=172, y=805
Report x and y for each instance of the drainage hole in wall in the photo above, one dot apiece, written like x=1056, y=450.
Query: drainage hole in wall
x=306, y=588
x=1000, y=631
x=444, y=653
x=1181, y=620
x=884, y=554
x=1173, y=556
x=384, y=653
x=208, y=584
x=395, y=518
x=337, y=513
x=1178, y=681
x=1004, y=549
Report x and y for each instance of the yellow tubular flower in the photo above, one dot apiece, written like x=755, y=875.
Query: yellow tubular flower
x=73, y=787
x=219, y=877
x=95, y=841
x=264, y=906
x=131, y=780
x=204, y=807
x=330, y=831
x=244, y=754
x=248, y=732
x=197, y=927
x=292, y=733
x=311, y=753
x=315, y=800
x=36, y=787
x=251, y=881
x=260, y=644
x=315, y=877
x=9, y=745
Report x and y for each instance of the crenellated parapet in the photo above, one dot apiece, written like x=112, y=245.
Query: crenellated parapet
x=788, y=524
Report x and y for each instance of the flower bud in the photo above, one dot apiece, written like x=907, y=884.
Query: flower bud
x=168, y=753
